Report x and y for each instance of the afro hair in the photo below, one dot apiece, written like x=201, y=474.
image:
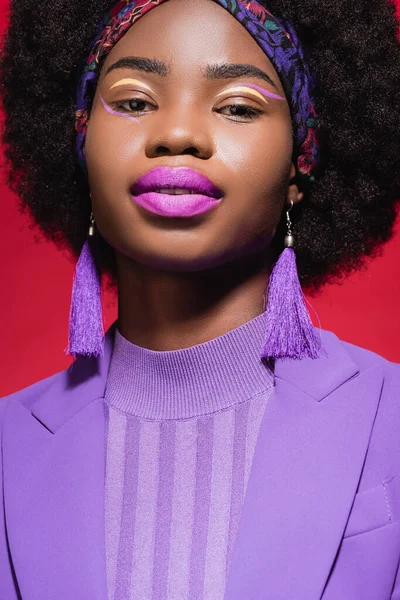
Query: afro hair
x=353, y=53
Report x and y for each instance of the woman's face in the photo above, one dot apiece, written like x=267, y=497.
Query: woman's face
x=219, y=126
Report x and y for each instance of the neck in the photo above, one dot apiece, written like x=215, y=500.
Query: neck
x=165, y=310
x=189, y=382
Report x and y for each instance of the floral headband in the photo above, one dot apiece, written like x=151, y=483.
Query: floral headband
x=276, y=38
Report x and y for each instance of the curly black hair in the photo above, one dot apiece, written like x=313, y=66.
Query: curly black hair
x=353, y=52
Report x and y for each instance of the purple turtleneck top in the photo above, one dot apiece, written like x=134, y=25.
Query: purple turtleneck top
x=182, y=427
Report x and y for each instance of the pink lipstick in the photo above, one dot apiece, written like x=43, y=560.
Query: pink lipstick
x=176, y=192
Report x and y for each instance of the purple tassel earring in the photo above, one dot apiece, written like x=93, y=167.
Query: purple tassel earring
x=86, y=321
x=289, y=330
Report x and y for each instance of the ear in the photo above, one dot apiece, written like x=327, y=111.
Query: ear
x=293, y=192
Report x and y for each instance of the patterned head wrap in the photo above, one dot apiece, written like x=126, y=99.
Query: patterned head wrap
x=276, y=38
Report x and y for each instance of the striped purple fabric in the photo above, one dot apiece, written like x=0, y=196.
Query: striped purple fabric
x=177, y=465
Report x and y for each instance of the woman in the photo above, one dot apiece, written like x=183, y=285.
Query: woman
x=215, y=444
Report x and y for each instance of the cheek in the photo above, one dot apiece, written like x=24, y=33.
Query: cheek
x=261, y=155
x=259, y=161
x=111, y=148
x=111, y=143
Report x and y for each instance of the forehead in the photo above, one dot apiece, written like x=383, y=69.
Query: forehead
x=188, y=34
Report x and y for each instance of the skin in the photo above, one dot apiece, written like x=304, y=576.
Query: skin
x=183, y=282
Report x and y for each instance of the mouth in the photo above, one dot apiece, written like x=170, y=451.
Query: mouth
x=176, y=191
x=176, y=181
x=176, y=205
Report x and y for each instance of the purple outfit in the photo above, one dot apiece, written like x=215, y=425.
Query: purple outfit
x=320, y=517
x=182, y=428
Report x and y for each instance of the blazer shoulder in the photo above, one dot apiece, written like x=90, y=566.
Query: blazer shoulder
x=366, y=359
x=28, y=395
x=390, y=396
x=56, y=398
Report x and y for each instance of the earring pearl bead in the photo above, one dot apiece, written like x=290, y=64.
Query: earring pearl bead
x=289, y=241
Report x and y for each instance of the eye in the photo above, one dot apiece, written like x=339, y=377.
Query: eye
x=242, y=112
x=133, y=105
x=238, y=112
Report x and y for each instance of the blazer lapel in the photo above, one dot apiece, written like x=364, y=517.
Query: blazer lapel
x=307, y=465
x=54, y=461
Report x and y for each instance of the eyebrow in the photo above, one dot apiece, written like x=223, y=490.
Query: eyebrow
x=217, y=71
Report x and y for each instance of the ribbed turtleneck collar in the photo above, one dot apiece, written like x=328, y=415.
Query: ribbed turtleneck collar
x=201, y=379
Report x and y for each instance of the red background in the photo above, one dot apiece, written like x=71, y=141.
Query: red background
x=36, y=287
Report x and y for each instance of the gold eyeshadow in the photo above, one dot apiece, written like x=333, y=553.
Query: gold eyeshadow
x=130, y=80
x=258, y=92
x=246, y=90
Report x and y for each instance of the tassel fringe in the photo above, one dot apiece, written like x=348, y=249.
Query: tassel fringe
x=86, y=331
x=289, y=330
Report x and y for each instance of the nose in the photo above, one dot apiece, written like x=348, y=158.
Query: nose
x=180, y=130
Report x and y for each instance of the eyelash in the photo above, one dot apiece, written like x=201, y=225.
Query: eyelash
x=249, y=112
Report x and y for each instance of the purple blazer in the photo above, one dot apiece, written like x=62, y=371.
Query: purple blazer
x=321, y=515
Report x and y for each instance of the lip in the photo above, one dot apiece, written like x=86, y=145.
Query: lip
x=166, y=205
x=178, y=177
x=207, y=195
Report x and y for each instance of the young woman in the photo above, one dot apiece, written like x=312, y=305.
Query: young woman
x=208, y=156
